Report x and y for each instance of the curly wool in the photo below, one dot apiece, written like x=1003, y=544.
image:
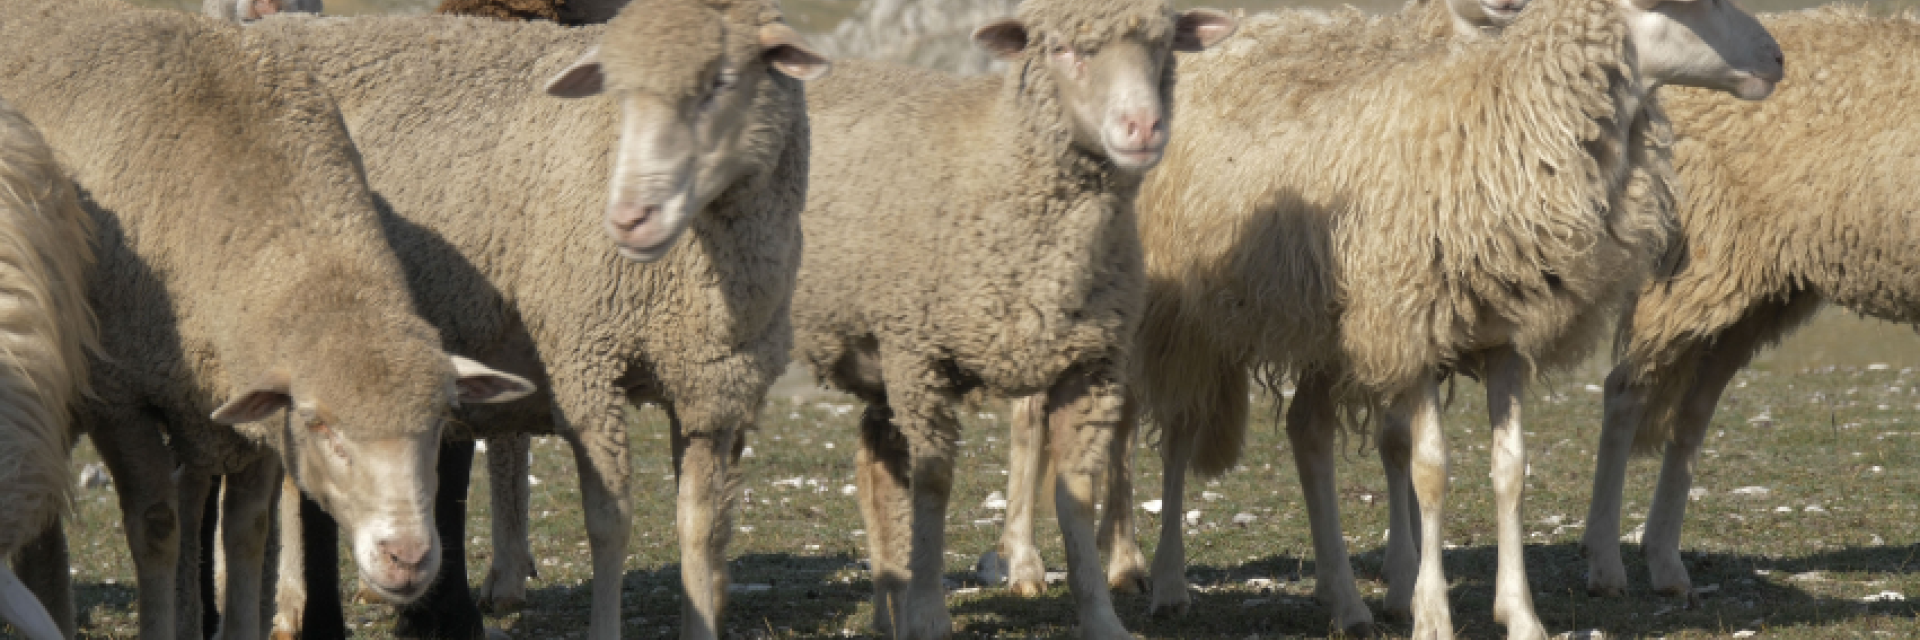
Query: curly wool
x=1804, y=198
x=1381, y=206
x=45, y=248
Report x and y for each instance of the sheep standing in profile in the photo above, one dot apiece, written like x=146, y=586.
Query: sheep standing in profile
x=1016, y=557
x=705, y=100
x=46, y=245
x=242, y=276
x=1801, y=200
x=978, y=233
x=1372, y=216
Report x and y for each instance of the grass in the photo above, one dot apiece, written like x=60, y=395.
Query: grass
x=1840, y=439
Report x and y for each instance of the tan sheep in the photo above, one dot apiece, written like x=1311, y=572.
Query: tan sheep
x=1016, y=557
x=1791, y=203
x=567, y=12
x=978, y=233
x=1374, y=215
x=501, y=262
x=242, y=272
x=46, y=246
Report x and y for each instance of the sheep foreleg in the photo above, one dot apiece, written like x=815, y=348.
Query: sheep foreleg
x=880, y=472
x=142, y=468
x=1170, y=557
x=1625, y=408
x=45, y=565
x=1402, y=564
x=1661, y=544
x=704, y=523
x=1311, y=428
x=1432, y=618
x=1081, y=418
x=1026, y=465
x=1126, y=566
x=505, y=588
x=1513, y=599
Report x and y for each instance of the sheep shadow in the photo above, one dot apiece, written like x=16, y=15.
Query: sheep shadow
x=768, y=592
x=112, y=598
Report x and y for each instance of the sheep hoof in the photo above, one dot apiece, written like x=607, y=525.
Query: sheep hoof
x=1360, y=630
x=282, y=634
x=497, y=634
x=1177, y=606
x=499, y=605
x=1605, y=591
x=1027, y=588
x=1129, y=584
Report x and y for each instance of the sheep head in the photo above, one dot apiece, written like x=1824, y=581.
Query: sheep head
x=688, y=85
x=1711, y=44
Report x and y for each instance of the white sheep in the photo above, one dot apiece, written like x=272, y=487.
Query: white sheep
x=1373, y=215
x=256, y=285
x=45, y=248
x=978, y=233
x=1791, y=203
x=706, y=102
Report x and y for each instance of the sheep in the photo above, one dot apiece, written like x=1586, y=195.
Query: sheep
x=1790, y=203
x=996, y=252
x=46, y=248
x=225, y=296
x=501, y=263
x=567, y=12
x=1364, y=269
x=1015, y=556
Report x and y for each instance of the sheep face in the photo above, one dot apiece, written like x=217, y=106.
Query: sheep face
x=371, y=464
x=1112, y=88
x=1704, y=43
x=687, y=96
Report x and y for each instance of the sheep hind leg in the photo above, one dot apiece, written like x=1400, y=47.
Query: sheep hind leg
x=1081, y=418
x=1513, y=599
x=597, y=432
x=1402, y=564
x=45, y=566
x=1625, y=408
x=1169, y=573
x=1026, y=467
x=1432, y=617
x=1126, y=565
x=245, y=503
x=199, y=511
x=886, y=506
x=142, y=467
x=505, y=588
x=1311, y=430
x=704, y=467
x=1661, y=543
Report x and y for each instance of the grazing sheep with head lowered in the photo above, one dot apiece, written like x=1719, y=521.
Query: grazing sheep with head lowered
x=1405, y=212
x=1804, y=199
x=46, y=246
x=1016, y=556
x=708, y=109
x=979, y=233
x=259, y=281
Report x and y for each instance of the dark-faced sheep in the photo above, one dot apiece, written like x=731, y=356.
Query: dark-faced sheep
x=1802, y=200
x=978, y=233
x=706, y=103
x=1401, y=213
x=243, y=276
x=46, y=246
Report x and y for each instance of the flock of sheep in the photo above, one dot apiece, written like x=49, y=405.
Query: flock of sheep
x=273, y=247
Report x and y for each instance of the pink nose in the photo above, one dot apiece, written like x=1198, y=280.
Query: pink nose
x=1141, y=130
x=405, y=554
x=627, y=224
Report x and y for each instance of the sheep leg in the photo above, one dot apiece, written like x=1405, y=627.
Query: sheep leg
x=290, y=584
x=1402, y=565
x=1512, y=599
x=1170, y=557
x=1126, y=565
x=325, y=614
x=600, y=451
x=1026, y=466
x=885, y=506
x=45, y=567
x=246, y=500
x=1625, y=409
x=926, y=614
x=505, y=588
x=1311, y=430
x=142, y=468
x=1081, y=416
x=19, y=608
x=1661, y=544
x=704, y=470
x=196, y=489
x=1432, y=617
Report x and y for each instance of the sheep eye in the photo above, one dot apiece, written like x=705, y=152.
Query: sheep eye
x=722, y=83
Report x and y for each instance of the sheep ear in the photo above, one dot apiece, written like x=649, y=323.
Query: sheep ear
x=789, y=53
x=258, y=401
x=479, y=384
x=1198, y=29
x=1005, y=38
x=580, y=80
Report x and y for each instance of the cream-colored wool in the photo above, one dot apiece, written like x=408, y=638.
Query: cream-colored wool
x=492, y=212
x=1792, y=203
x=1276, y=241
x=46, y=246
